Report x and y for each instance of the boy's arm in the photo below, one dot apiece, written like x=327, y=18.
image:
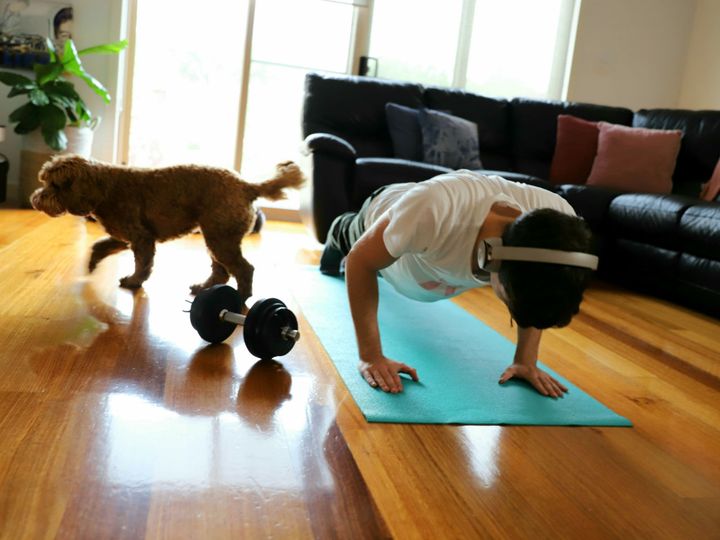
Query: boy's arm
x=366, y=258
x=528, y=345
x=524, y=364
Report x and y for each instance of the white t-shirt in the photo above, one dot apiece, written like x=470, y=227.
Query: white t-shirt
x=434, y=224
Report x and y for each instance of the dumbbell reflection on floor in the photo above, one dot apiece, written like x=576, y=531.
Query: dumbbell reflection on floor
x=270, y=329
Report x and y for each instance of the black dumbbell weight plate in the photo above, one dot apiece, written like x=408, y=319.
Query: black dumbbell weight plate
x=263, y=328
x=206, y=308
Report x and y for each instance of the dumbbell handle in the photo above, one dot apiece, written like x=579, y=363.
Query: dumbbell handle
x=229, y=316
x=236, y=318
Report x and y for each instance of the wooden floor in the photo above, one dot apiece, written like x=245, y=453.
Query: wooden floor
x=116, y=421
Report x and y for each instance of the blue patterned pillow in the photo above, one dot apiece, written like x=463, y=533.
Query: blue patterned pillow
x=449, y=140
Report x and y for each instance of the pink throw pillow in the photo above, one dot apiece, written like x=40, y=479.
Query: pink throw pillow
x=635, y=159
x=575, y=148
x=711, y=189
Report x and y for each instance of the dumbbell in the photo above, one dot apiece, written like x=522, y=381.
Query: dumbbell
x=270, y=329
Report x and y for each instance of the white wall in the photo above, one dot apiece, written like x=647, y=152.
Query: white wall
x=95, y=23
x=701, y=83
x=631, y=53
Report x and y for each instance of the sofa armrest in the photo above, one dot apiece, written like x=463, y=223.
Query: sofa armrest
x=404, y=169
x=327, y=195
x=329, y=144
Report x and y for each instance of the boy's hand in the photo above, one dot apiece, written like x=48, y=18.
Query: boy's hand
x=541, y=381
x=384, y=373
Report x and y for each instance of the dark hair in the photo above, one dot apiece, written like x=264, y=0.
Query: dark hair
x=542, y=295
x=64, y=15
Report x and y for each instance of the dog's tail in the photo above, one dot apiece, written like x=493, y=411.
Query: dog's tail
x=288, y=175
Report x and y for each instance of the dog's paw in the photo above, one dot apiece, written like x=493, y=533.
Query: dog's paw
x=194, y=289
x=130, y=282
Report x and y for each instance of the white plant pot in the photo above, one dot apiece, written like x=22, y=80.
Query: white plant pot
x=35, y=153
x=79, y=140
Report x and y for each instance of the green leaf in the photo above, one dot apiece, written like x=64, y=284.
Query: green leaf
x=13, y=79
x=63, y=101
x=21, y=89
x=72, y=64
x=52, y=117
x=27, y=125
x=45, y=73
x=27, y=117
x=64, y=88
x=63, y=93
x=39, y=98
x=109, y=48
x=51, y=49
x=55, y=139
x=52, y=123
x=83, y=113
x=69, y=55
x=21, y=112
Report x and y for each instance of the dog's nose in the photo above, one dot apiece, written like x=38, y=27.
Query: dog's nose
x=35, y=198
x=41, y=200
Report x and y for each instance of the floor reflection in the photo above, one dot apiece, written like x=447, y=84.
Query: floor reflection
x=264, y=444
x=264, y=389
x=166, y=293
x=482, y=446
x=171, y=413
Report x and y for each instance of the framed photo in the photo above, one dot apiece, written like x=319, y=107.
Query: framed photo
x=24, y=27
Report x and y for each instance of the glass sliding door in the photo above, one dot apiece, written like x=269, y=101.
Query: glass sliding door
x=504, y=48
x=518, y=48
x=290, y=38
x=188, y=88
x=186, y=82
x=416, y=40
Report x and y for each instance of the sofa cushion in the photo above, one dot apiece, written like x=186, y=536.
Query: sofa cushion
x=700, y=146
x=643, y=265
x=635, y=159
x=521, y=178
x=590, y=203
x=652, y=219
x=449, y=141
x=575, y=149
x=534, y=126
x=405, y=133
x=354, y=108
x=699, y=231
x=697, y=283
x=491, y=115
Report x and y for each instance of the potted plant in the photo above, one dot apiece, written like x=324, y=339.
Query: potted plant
x=53, y=103
x=54, y=112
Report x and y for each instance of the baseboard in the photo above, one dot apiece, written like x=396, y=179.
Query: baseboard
x=281, y=214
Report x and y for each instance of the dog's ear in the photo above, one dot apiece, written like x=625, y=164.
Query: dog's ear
x=62, y=170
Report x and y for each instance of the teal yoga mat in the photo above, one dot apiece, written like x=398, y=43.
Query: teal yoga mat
x=458, y=359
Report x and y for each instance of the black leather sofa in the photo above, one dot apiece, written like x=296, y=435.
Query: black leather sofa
x=666, y=245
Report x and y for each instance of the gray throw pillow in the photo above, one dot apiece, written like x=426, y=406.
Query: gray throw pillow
x=449, y=140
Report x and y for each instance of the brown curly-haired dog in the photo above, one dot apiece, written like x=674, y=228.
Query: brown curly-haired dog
x=138, y=207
